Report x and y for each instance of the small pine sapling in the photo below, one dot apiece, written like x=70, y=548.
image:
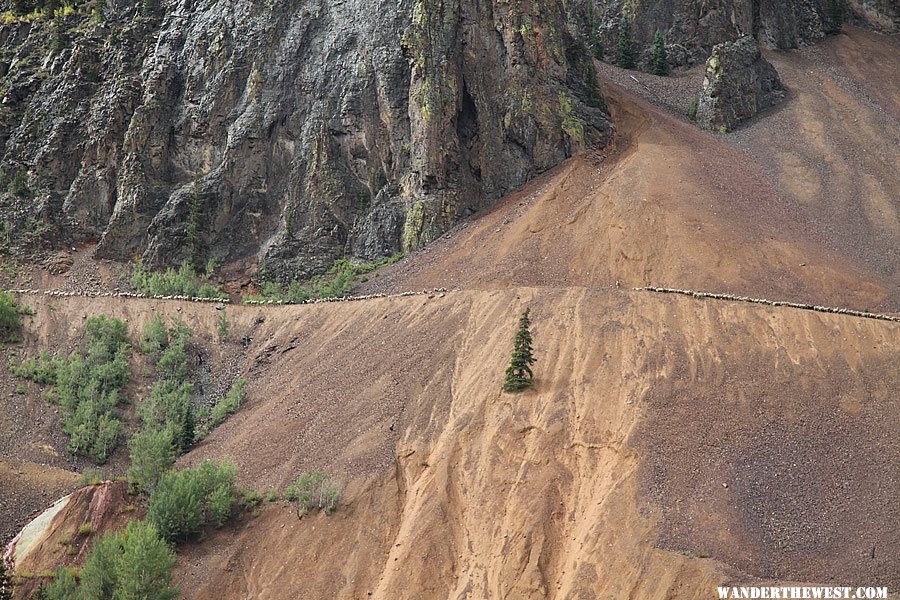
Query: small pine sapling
x=519, y=375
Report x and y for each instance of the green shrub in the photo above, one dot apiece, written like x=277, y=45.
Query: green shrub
x=168, y=406
x=64, y=586
x=155, y=337
x=91, y=477
x=185, y=501
x=208, y=290
x=173, y=362
x=692, y=110
x=144, y=568
x=312, y=491
x=251, y=498
x=519, y=375
x=9, y=318
x=40, y=369
x=167, y=347
x=222, y=325
x=85, y=529
x=625, y=48
x=88, y=388
x=219, y=505
x=106, y=336
x=338, y=282
x=295, y=293
x=152, y=453
x=660, y=59
x=212, y=265
x=98, y=575
x=230, y=403
x=183, y=282
x=135, y=563
x=92, y=431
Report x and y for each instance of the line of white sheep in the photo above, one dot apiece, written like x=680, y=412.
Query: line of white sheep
x=60, y=293
x=442, y=291
x=735, y=298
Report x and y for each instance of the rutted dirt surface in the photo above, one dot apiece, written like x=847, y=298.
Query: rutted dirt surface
x=790, y=468
x=600, y=483
x=566, y=491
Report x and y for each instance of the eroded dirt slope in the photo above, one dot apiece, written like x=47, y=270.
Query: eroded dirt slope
x=834, y=147
x=594, y=484
x=802, y=204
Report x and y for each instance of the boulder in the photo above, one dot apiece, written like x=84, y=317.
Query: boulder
x=739, y=84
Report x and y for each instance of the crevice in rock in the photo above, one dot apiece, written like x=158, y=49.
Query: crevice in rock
x=467, y=130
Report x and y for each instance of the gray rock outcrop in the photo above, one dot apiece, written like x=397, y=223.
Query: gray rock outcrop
x=739, y=84
x=294, y=132
x=692, y=28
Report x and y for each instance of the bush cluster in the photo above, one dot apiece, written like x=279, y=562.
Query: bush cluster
x=183, y=282
x=338, y=282
x=314, y=491
x=166, y=414
x=39, y=369
x=38, y=10
x=9, y=317
x=135, y=563
x=152, y=453
x=222, y=325
x=155, y=337
x=185, y=501
x=87, y=386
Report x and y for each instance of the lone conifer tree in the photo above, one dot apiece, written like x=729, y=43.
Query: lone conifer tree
x=660, y=62
x=518, y=374
x=626, y=52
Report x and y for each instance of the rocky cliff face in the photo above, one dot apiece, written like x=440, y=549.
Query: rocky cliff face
x=692, y=28
x=739, y=84
x=293, y=132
